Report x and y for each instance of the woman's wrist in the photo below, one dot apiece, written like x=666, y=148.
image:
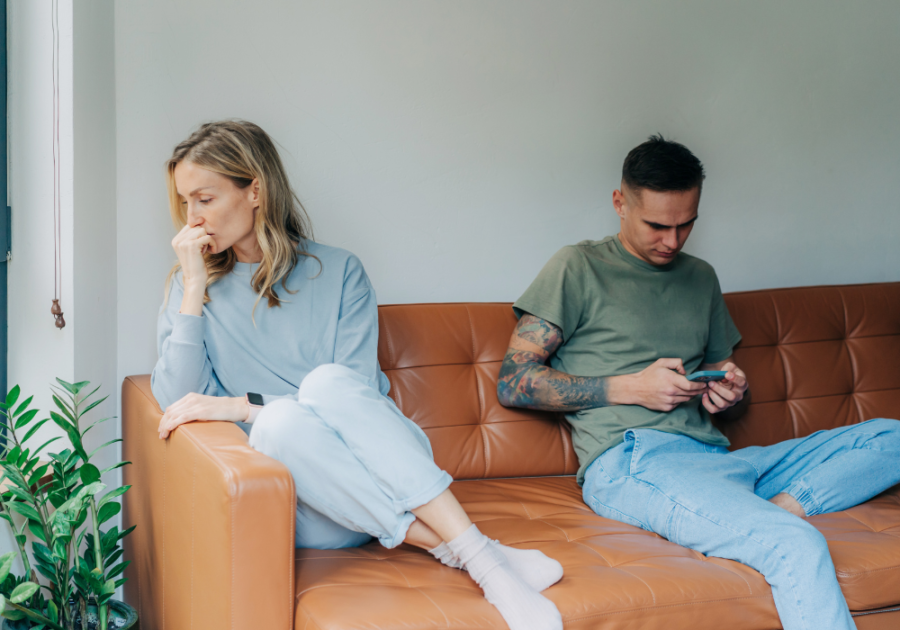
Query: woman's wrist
x=241, y=408
x=192, y=301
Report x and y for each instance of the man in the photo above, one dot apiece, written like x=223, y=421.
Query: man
x=609, y=331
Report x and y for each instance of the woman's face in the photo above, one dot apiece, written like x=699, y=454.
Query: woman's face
x=216, y=204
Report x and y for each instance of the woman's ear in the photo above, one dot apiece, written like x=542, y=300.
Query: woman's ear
x=254, y=191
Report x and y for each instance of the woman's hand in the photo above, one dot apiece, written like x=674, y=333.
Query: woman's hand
x=190, y=244
x=199, y=407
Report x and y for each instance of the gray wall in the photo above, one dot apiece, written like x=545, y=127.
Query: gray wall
x=455, y=146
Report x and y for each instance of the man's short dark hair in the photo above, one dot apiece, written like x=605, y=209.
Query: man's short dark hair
x=662, y=165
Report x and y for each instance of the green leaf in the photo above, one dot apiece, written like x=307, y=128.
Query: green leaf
x=6, y=562
x=94, y=452
x=80, y=385
x=59, y=550
x=25, y=418
x=34, y=428
x=119, y=465
x=38, y=474
x=26, y=510
x=126, y=532
x=113, y=494
x=41, y=552
x=22, y=592
x=121, y=582
x=112, y=557
x=69, y=387
x=93, y=404
x=107, y=512
x=108, y=540
x=52, y=611
x=57, y=498
x=13, y=456
x=23, y=406
x=89, y=474
x=60, y=421
x=109, y=587
x=12, y=396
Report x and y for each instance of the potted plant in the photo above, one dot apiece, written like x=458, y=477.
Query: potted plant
x=74, y=567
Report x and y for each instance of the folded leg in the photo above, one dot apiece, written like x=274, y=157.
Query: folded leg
x=832, y=470
x=700, y=497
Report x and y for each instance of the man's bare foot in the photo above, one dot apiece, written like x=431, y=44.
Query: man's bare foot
x=789, y=503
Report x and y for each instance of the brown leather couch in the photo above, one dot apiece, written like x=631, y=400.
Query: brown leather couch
x=214, y=546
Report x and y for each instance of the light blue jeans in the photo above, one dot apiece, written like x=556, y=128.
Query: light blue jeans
x=359, y=466
x=715, y=502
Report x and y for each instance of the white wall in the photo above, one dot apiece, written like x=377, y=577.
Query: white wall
x=455, y=146
x=86, y=348
x=38, y=351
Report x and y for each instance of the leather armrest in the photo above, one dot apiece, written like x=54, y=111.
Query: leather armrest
x=214, y=544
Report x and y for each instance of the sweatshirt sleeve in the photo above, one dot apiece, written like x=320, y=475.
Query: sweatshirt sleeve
x=356, y=344
x=183, y=366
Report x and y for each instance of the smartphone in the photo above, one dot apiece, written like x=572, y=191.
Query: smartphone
x=707, y=376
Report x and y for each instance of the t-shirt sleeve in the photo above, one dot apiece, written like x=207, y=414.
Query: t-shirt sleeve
x=556, y=295
x=723, y=334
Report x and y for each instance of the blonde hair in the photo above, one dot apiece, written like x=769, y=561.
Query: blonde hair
x=242, y=152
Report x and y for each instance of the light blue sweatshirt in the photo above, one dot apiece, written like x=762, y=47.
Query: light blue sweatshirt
x=332, y=318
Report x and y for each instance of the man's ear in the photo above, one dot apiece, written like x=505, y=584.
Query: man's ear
x=619, y=203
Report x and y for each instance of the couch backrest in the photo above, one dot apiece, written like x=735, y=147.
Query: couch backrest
x=816, y=358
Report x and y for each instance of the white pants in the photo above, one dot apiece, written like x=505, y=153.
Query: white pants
x=359, y=465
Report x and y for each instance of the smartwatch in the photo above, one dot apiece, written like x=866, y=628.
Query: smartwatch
x=255, y=403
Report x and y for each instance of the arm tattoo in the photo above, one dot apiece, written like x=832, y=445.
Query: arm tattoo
x=525, y=380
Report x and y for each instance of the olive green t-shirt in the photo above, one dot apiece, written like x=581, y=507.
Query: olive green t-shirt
x=619, y=314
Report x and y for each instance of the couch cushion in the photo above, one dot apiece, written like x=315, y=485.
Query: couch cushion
x=865, y=546
x=443, y=361
x=615, y=574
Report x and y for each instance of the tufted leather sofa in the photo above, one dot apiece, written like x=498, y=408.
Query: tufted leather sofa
x=214, y=543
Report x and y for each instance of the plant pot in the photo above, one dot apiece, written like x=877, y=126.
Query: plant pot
x=123, y=617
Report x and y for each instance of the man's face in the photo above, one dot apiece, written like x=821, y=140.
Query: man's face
x=655, y=225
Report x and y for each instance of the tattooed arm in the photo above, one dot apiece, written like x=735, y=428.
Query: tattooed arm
x=525, y=380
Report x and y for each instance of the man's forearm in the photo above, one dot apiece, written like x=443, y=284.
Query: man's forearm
x=524, y=382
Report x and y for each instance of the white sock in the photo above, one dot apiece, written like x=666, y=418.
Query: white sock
x=443, y=553
x=521, y=606
x=536, y=569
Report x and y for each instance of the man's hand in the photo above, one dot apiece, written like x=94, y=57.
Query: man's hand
x=661, y=386
x=725, y=394
x=199, y=407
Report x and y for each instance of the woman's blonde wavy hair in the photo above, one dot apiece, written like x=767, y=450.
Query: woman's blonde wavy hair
x=242, y=152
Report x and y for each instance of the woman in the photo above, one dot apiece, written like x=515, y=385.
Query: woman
x=265, y=326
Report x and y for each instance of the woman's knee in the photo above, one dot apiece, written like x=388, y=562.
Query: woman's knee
x=281, y=421
x=327, y=378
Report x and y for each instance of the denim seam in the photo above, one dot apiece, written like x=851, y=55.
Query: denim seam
x=749, y=463
x=748, y=537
